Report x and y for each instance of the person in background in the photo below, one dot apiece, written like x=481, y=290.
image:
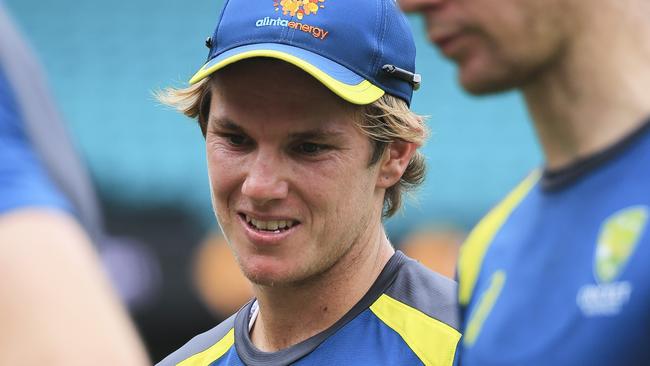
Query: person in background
x=56, y=305
x=558, y=273
x=310, y=144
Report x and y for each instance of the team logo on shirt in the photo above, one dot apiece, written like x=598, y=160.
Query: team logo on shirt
x=618, y=238
x=619, y=235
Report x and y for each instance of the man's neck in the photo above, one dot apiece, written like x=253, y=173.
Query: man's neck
x=597, y=92
x=291, y=314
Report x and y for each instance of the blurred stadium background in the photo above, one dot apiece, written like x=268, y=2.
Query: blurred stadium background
x=104, y=59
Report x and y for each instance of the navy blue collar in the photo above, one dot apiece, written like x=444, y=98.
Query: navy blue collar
x=554, y=180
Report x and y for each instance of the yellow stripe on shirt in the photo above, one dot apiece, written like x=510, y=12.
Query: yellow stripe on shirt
x=433, y=341
x=473, y=250
x=211, y=354
x=485, y=305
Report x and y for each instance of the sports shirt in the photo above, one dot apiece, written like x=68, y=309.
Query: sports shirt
x=559, y=272
x=408, y=317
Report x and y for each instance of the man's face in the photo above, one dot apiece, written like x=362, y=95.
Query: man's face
x=291, y=185
x=497, y=44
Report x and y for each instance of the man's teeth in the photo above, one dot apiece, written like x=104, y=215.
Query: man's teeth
x=270, y=225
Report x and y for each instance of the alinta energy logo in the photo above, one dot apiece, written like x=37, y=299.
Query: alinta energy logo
x=298, y=9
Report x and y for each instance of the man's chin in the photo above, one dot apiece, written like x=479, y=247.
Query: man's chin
x=283, y=272
x=280, y=279
x=269, y=277
x=265, y=280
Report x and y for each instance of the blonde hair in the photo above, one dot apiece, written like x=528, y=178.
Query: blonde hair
x=387, y=120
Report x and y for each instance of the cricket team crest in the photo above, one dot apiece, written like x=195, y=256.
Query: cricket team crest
x=618, y=238
x=299, y=8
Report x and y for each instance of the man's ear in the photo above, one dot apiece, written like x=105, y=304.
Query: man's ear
x=396, y=158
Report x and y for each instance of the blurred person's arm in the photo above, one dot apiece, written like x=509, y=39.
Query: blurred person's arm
x=56, y=305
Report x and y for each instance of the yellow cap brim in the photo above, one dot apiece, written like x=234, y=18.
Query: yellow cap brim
x=361, y=93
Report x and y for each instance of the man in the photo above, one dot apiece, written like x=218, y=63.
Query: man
x=557, y=274
x=310, y=142
x=56, y=306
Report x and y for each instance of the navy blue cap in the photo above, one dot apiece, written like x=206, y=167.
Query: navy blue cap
x=359, y=49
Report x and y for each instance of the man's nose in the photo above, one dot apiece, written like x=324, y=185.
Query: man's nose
x=418, y=5
x=264, y=181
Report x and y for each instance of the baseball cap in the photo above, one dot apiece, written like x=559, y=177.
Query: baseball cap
x=359, y=49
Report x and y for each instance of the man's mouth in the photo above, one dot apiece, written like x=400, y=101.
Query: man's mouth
x=272, y=226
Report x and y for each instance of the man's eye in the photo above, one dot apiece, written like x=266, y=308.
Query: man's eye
x=310, y=148
x=236, y=140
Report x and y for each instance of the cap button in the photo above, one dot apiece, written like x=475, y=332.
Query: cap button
x=208, y=42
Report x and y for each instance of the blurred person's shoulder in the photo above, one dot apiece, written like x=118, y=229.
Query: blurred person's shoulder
x=25, y=181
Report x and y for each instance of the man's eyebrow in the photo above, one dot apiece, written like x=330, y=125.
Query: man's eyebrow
x=317, y=134
x=226, y=124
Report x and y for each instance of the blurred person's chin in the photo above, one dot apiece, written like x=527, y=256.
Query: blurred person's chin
x=479, y=76
x=485, y=66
